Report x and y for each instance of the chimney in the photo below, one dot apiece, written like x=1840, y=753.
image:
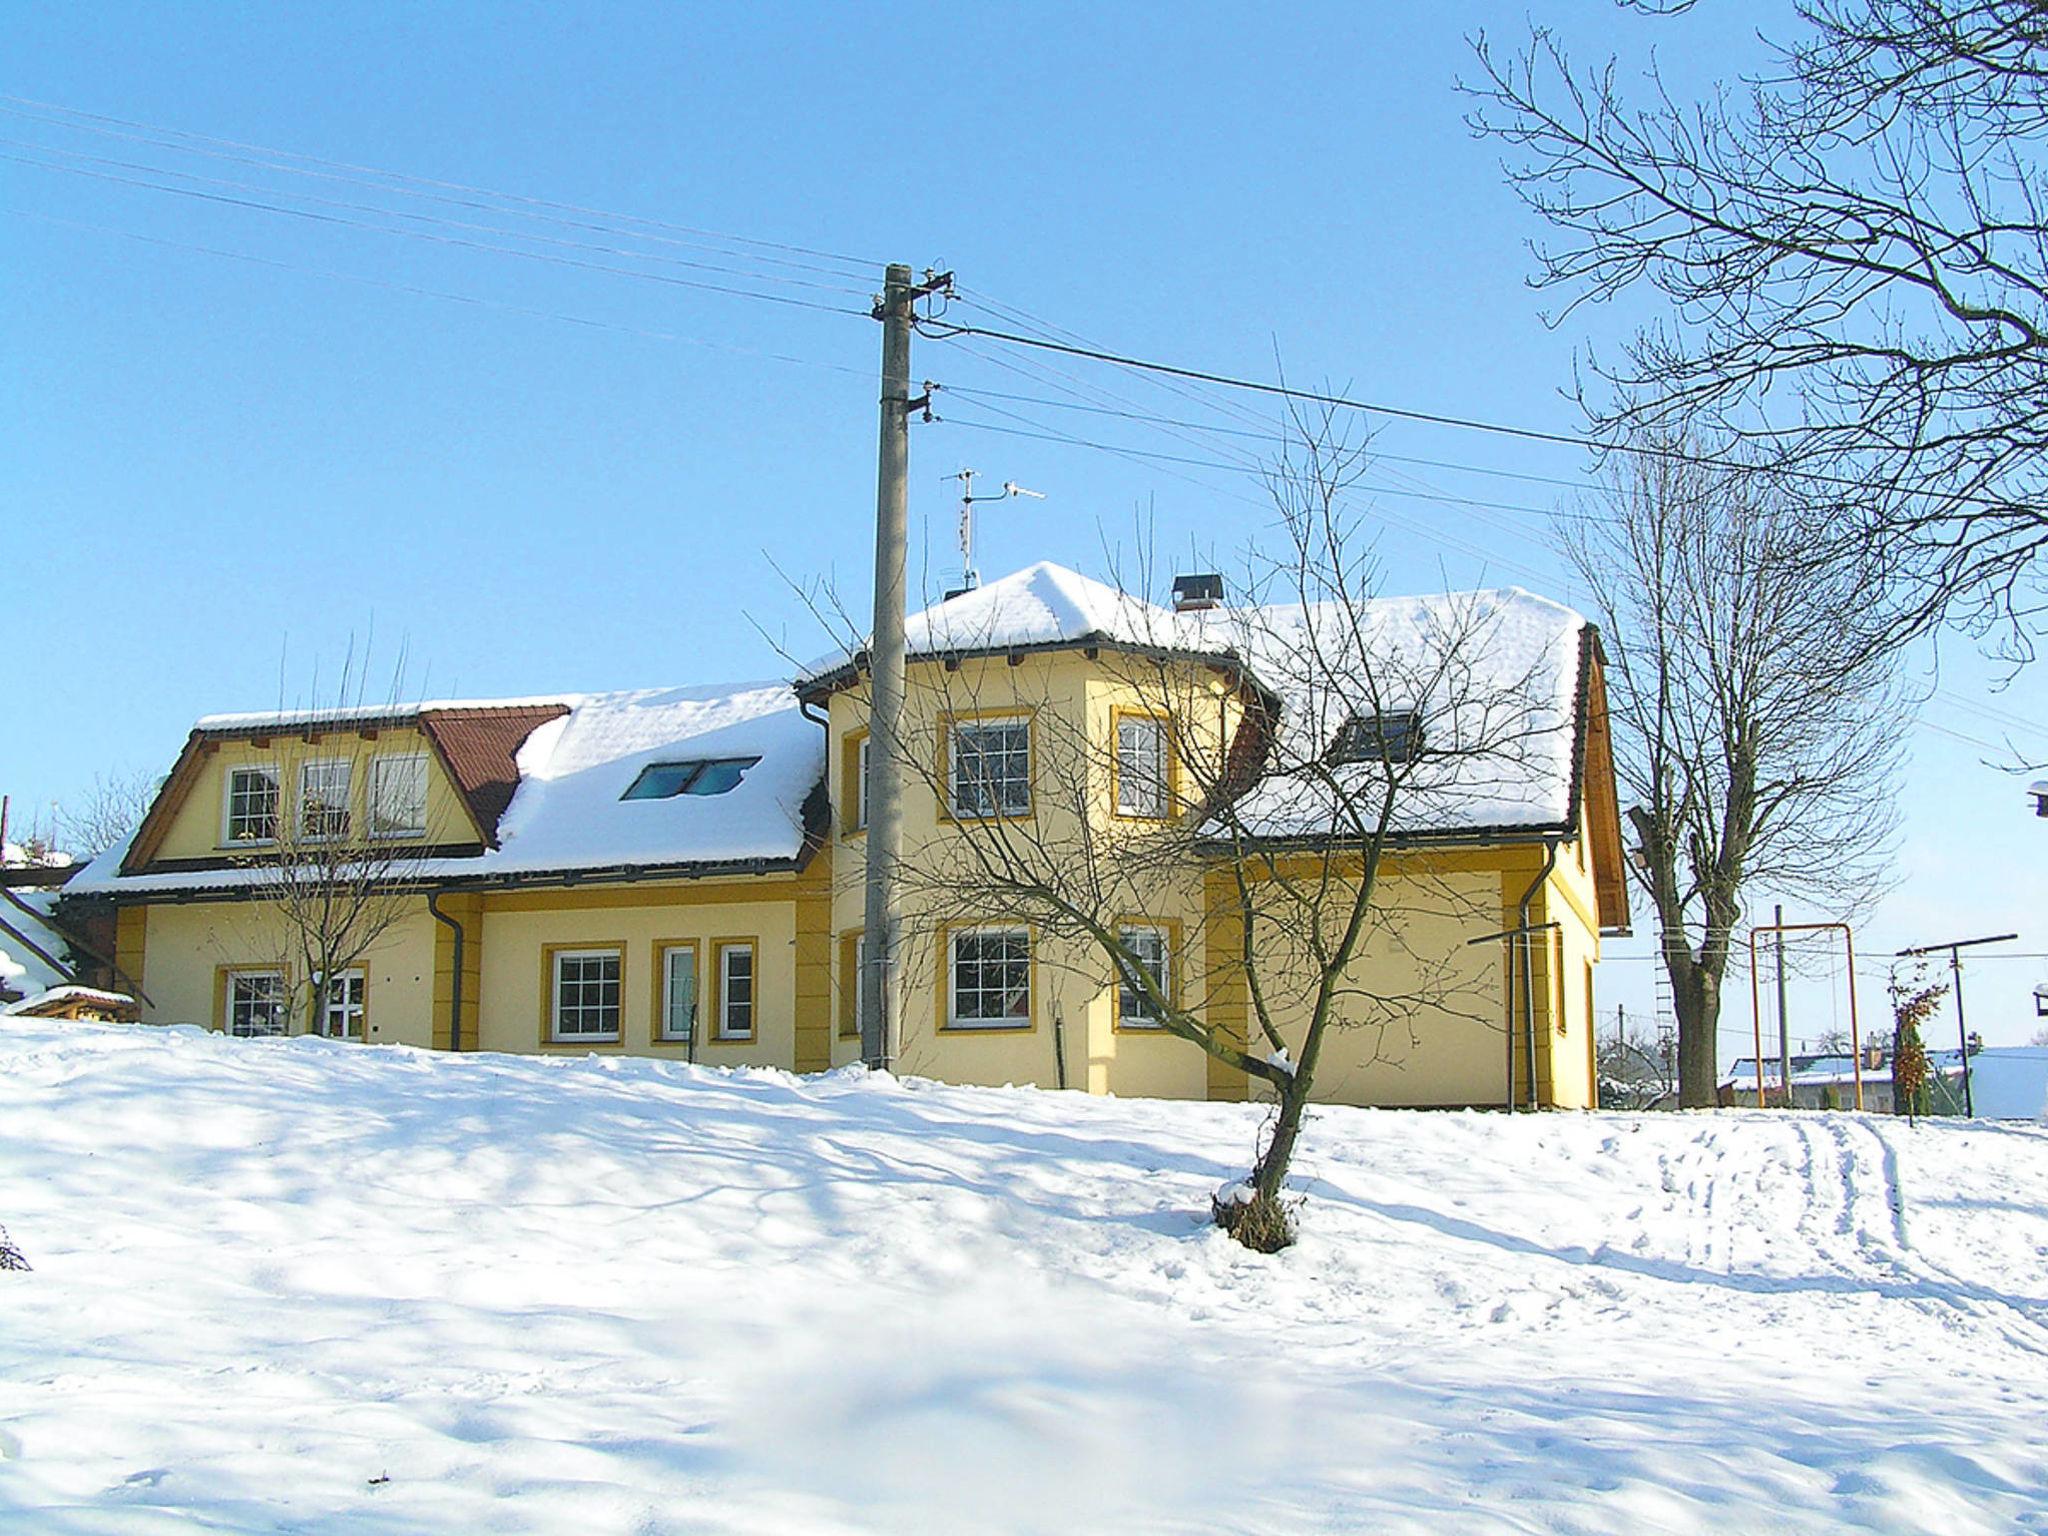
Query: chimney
x=1194, y=594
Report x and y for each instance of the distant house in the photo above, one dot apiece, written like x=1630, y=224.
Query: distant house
x=2006, y=1082
x=677, y=872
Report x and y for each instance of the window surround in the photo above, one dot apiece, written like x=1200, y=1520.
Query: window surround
x=361, y=1008
x=615, y=948
x=1387, y=736
x=659, y=1033
x=1169, y=932
x=947, y=933
x=307, y=805
x=1169, y=764
x=947, y=720
x=224, y=979
x=721, y=948
x=380, y=766
x=853, y=783
x=227, y=804
x=852, y=947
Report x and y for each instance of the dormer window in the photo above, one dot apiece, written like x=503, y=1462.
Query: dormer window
x=251, y=810
x=1393, y=737
x=697, y=776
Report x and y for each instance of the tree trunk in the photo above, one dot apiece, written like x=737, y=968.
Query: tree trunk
x=1696, y=999
x=1271, y=1172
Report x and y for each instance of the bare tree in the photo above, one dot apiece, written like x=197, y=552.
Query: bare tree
x=1855, y=253
x=333, y=879
x=103, y=814
x=1317, y=734
x=1757, y=724
x=1631, y=1072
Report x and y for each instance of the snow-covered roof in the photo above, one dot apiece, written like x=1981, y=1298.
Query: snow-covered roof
x=567, y=813
x=1494, y=674
x=1042, y=605
x=21, y=968
x=363, y=714
x=49, y=997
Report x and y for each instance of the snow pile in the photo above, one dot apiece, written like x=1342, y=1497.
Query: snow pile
x=300, y=1285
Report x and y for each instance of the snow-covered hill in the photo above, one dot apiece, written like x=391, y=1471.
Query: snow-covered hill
x=299, y=1286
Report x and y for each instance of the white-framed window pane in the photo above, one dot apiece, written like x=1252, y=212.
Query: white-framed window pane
x=398, y=796
x=991, y=977
x=252, y=805
x=1140, y=767
x=860, y=789
x=736, y=991
x=991, y=768
x=587, y=994
x=256, y=1003
x=678, y=991
x=1148, y=947
x=341, y=1009
x=323, y=799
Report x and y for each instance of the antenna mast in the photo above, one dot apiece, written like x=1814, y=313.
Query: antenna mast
x=970, y=578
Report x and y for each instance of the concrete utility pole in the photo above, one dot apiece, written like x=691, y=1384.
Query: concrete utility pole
x=881, y=1010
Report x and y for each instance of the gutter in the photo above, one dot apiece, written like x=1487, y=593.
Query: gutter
x=455, y=983
x=1529, y=961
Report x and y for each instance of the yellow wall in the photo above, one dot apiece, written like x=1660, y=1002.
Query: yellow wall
x=197, y=827
x=517, y=927
x=188, y=945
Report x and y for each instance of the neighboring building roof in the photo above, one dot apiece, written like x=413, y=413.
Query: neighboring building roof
x=70, y=1002
x=560, y=785
x=31, y=945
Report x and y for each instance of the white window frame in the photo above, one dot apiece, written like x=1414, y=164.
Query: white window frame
x=353, y=1013
x=381, y=768
x=280, y=1004
x=998, y=809
x=609, y=952
x=1163, y=975
x=860, y=790
x=266, y=771
x=726, y=1002
x=306, y=801
x=1158, y=781
x=669, y=953
x=1005, y=1020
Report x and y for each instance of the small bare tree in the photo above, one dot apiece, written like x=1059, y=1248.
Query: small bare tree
x=1631, y=1072
x=112, y=807
x=1757, y=725
x=336, y=881
x=1854, y=248
x=1316, y=731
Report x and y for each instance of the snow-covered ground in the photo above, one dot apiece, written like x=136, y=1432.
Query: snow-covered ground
x=301, y=1286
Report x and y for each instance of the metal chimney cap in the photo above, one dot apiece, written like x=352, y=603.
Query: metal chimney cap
x=1192, y=593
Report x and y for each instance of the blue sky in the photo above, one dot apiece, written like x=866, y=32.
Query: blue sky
x=238, y=440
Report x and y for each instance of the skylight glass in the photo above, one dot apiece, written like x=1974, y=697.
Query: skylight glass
x=696, y=776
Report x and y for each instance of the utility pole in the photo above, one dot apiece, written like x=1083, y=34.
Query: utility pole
x=1784, y=1029
x=881, y=1012
x=1955, y=970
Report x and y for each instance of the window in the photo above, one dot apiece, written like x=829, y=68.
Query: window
x=398, y=797
x=1140, y=766
x=698, y=776
x=586, y=994
x=1382, y=738
x=859, y=792
x=252, y=805
x=256, y=1003
x=1134, y=1010
x=990, y=981
x=341, y=1011
x=853, y=964
x=735, y=991
x=678, y=991
x=991, y=768
x=323, y=799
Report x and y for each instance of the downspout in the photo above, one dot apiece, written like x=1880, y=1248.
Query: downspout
x=455, y=981
x=1550, y=848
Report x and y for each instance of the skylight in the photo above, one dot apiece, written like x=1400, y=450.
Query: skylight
x=696, y=776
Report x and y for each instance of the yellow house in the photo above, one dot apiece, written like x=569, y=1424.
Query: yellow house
x=679, y=872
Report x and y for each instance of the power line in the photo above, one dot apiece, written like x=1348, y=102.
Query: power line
x=454, y=240
x=77, y=119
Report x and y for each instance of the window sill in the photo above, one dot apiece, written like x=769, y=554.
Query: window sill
x=734, y=1040
x=577, y=1042
x=988, y=1029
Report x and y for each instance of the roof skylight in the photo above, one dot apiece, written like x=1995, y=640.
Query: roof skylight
x=693, y=776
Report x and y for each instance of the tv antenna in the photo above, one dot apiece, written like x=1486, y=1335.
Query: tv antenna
x=970, y=578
